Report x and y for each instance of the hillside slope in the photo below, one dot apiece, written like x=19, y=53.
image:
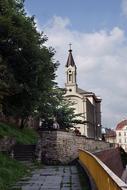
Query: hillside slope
x=22, y=136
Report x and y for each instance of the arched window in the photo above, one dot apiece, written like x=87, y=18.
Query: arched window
x=70, y=77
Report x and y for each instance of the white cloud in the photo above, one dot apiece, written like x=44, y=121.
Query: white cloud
x=101, y=62
x=58, y=23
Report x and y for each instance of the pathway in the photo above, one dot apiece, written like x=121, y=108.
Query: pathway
x=53, y=178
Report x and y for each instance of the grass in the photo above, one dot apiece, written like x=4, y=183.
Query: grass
x=10, y=171
x=22, y=136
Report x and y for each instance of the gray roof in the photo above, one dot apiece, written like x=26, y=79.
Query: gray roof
x=86, y=93
x=80, y=91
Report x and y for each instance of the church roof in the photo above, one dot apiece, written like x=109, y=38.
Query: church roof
x=86, y=93
x=121, y=125
x=80, y=91
x=70, y=60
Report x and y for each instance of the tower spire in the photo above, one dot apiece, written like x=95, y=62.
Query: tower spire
x=71, y=72
x=70, y=60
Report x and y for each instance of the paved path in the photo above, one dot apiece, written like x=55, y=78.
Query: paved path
x=53, y=178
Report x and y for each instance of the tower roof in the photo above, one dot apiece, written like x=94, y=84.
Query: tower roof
x=70, y=60
x=121, y=125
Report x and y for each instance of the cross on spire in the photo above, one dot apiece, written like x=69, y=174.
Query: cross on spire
x=70, y=60
x=70, y=45
x=70, y=50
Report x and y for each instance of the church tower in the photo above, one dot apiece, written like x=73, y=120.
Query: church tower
x=71, y=80
x=85, y=103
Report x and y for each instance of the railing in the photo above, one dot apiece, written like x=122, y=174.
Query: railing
x=103, y=177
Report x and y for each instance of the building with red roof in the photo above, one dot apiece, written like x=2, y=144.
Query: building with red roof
x=110, y=135
x=121, y=134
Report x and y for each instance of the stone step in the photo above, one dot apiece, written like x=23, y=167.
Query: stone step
x=24, y=159
x=23, y=155
x=24, y=152
x=24, y=147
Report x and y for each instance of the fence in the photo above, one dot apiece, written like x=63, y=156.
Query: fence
x=103, y=177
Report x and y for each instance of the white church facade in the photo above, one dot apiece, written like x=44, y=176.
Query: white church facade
x=85, y=103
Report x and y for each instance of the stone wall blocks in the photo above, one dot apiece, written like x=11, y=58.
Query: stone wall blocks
x=63, y=146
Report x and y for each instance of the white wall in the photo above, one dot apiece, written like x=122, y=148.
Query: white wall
x=79, y=109
x=121, y=137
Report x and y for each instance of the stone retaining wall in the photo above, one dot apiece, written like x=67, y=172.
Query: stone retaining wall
x=62, y=147
x=6, y=143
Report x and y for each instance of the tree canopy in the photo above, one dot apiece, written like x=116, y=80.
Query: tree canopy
x=28, y=67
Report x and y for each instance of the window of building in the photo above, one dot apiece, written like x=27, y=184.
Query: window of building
x=125, y=141
x=124, y=133
x=119, y=140
x=119, y=133
x=70, y=77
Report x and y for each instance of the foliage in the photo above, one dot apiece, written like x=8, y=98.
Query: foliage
x=10, y=171
x=58, y=108
x=24, y=136
x=4, y=80
x=27, y=86
x=29, y=65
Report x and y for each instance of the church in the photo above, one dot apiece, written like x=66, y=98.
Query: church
x=87, y=104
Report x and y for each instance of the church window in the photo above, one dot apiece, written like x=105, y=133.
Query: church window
x=70, y=77
x=70, y=90
x=119, y=133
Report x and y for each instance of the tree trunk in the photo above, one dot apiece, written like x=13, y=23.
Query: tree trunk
x=22, y=125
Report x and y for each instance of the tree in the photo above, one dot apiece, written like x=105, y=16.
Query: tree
x=3, y=85
x=58, y=107
x=6, y=79
x=28, y=62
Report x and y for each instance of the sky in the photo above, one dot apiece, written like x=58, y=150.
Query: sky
x=97, y=30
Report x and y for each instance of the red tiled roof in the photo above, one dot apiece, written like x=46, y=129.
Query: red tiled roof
x=110, y=135
x=112, y=159
x=121, y=125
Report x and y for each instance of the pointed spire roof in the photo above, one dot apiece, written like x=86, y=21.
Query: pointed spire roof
x=70, y=60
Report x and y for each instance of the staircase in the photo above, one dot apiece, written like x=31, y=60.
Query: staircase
x=24, y=152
